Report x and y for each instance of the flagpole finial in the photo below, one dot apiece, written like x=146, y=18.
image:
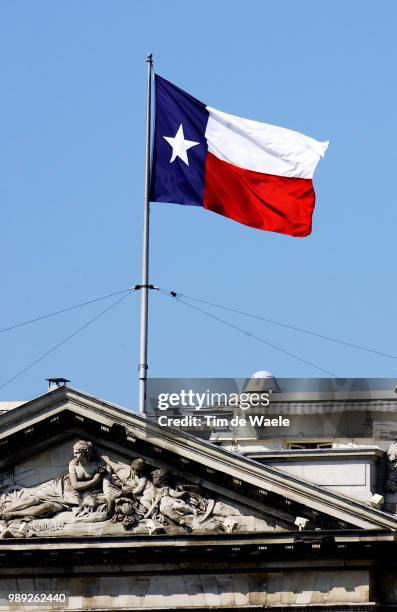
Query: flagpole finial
x=149, y=57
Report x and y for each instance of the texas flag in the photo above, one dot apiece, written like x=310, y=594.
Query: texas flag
x=255, y=173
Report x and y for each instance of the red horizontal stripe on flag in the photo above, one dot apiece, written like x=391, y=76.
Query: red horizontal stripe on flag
x=263, y=201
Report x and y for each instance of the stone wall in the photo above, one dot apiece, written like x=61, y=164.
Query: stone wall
x=230, y=590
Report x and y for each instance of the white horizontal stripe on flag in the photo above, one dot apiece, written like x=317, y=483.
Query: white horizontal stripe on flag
x=262, y=147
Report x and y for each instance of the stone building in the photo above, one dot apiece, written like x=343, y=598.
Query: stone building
x=109, y=511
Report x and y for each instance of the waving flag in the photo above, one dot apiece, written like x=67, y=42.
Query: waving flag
x=255, y=173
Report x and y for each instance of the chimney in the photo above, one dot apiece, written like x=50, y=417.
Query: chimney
x=55, y=383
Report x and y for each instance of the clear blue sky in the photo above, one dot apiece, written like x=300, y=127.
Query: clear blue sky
x=71, y=164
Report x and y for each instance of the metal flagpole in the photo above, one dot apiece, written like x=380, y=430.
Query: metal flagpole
x=143, y=366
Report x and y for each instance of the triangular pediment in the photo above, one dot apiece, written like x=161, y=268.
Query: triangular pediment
x=180, y=483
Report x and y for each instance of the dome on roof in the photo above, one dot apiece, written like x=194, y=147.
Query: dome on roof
x=263, y=380
x=262, y=374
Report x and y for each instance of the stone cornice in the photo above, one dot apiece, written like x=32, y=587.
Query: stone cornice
x=317, y=454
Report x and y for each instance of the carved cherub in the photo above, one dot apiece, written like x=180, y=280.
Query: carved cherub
x=136, y=495
x=168, y=500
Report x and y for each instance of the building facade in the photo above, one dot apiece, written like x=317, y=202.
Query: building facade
x=112, y=512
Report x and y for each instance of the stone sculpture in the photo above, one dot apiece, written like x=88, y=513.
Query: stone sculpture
x=97, y=497
x=391, y=482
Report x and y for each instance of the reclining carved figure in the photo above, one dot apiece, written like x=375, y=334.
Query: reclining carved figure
x=87, y=486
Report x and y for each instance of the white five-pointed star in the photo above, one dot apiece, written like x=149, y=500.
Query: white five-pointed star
x=180, y=146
